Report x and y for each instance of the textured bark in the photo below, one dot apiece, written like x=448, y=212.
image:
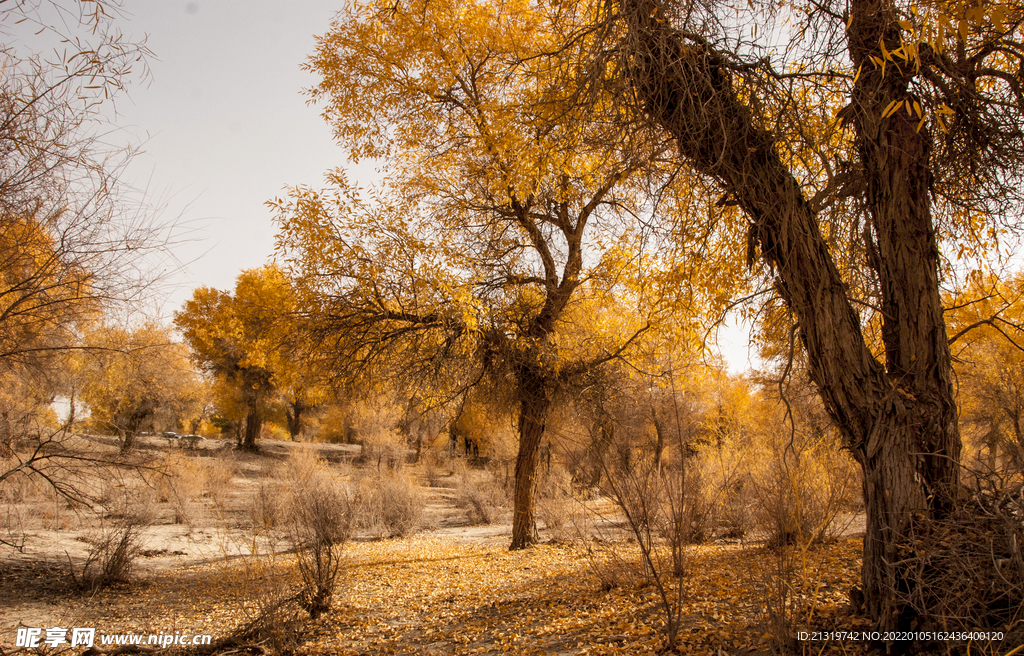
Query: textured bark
x=899, y=420
x=293, y=419
x=534, y=382
x=253, y=427
x=534, y=405
x=916, y=468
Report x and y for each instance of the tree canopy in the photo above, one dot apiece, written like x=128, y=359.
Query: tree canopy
x=508, y=217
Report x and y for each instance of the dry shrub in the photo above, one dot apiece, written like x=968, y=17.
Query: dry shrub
x=314, y=510
x=320, y=517
x=556, y=505
x=111, y=555
x=266, y=507
x=117, y=544
x=966, y=572
x=652, y=497
x=269, y=598
x=376, y=424
x=802, y=488
x=797, y=486
x=191, y=484
x=32, y=500
x=481, y=496
x=50, y=475
x=437, y=467
x=390, y=505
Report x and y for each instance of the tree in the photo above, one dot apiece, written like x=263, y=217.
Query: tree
x=886, y=135
x=986, y=327
x=502, y=215
x=73, y=241
x=131, y=376
x=238, y=338
x=298, y=378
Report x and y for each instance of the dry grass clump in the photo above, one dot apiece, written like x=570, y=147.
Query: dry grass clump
x=480, y=494
x=192, y=485
x=390, y=505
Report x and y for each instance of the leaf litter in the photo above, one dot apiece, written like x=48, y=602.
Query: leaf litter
x=436, y=595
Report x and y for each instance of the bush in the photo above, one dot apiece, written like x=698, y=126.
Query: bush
x=652, y=498
x=802, y=490
x=966, y=571
x=556, y=506
x=188, y=480
x=320, y=518
x=437, y=467
x=482, y=499
x=266, y=506
x=390, y=505
x=376, y=424
x=111, y=556
x=113, y=551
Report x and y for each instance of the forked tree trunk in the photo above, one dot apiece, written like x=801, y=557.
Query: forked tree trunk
x=899, y=420
x=534, y=405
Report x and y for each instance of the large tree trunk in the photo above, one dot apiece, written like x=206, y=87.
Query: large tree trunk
x=916, y=468
x=293, y=419
x=253, y=427
x=534, y=404
x=899, y=420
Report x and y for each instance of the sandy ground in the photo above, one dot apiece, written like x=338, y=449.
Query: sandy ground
x=210, y=528
x=36, y=580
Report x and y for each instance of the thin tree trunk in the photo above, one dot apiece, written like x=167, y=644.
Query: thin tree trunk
x=659, y=445
x=534, y=405
x=599, y=451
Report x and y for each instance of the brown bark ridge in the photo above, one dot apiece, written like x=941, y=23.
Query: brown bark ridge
x=534, y=404
x=898, y=419
x=535, y=381
x=253, y=423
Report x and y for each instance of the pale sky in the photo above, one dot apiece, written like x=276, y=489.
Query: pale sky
x=224, y=124
x=228, y=127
